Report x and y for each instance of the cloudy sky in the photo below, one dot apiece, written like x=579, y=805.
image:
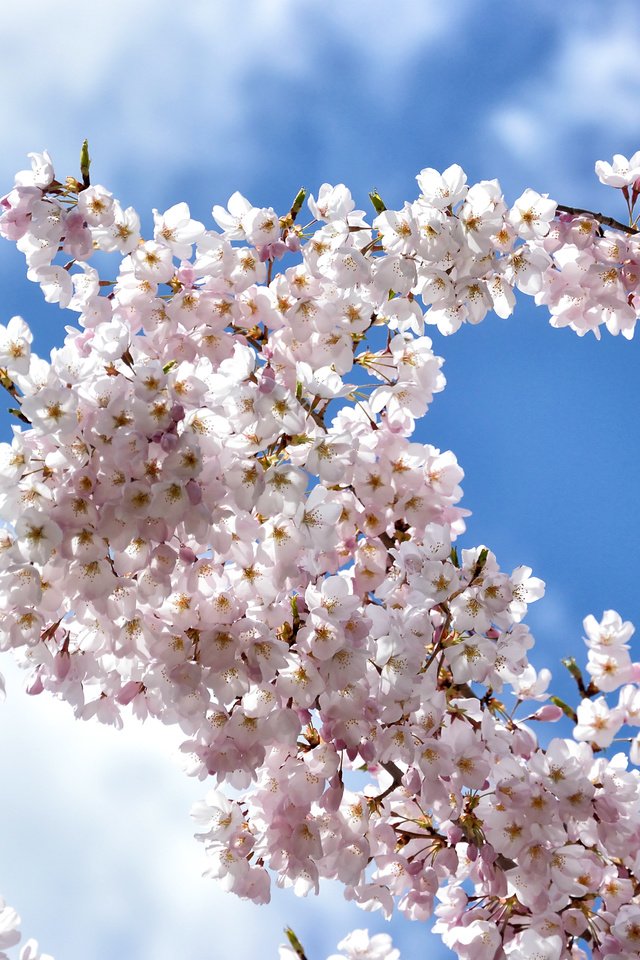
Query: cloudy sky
x=198, y=99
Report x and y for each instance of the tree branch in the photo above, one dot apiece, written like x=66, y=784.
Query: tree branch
x=600, y=217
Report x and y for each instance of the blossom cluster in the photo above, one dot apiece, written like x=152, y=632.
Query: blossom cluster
x=10, y=936
x=358, y=945
x=215, y=515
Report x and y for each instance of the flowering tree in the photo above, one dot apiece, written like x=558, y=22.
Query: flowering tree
x=214, y=515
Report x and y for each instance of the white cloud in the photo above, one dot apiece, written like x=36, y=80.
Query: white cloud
x=588, y=89
x=158, y=85
x=98, y=850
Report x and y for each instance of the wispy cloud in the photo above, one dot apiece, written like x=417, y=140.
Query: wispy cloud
x=584, y=98
x=155, y=85
x=98, y=850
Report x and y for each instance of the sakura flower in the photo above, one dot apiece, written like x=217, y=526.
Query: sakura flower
x=31, y=951
x=611, y=632
x=15, y=346
x=333, y=203
x=153, y=261
x=261, y=226
x=530, y=944
x=9, y=923
x=531, y=214
x=229, y=220
x=524, y=590
x=55, y=283
x=610, y=668
x=443, y=189
x=479, y=940
x=597, y=722
x=531, y=685
x=122, y=233
x=177, y=230
x=626, y=928
x=358, y=945
x=41, y=173
x=620, y=172
x=37, y=536
x=96, y=206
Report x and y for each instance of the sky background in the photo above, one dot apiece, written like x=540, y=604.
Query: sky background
x=193, y=101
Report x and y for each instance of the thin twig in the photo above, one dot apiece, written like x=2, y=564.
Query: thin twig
x=600, y=217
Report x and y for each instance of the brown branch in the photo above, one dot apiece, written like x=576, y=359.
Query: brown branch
x=397, y=775
x=600, y=217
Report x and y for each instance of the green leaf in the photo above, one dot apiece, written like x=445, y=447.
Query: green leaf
x=377, y=201
x=19, y=414
x=295, y=944
x=566, y=709
x=296, y=206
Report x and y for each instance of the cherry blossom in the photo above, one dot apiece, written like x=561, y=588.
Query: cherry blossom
x=215, y=515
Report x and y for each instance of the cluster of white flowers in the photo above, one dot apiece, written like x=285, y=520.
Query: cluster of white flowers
x=214, y=515
x=10, y=936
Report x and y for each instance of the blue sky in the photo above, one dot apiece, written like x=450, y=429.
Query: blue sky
x=194, y=101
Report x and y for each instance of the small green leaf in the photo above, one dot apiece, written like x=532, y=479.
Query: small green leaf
x=574, y=670
x=296, y=206
x=377, y=201
x=566, y=709
x=19, y=414
x=295, y=944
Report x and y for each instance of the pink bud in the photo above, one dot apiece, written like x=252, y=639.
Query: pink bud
x=186, y=274
x=169, y=441
x=129, y=692
x=61, y=664
x=36, y=686
x=331, y=798
x=267, y=380
x=367, y=751
x=411, y=780
x=194, y=492
x=547, y=714
x=187, y=555
x=453, y=833
x=523, y=743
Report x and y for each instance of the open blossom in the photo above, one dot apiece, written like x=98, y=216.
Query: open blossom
x=9, y=923
x=597, y=722
x=358, y=945
x=621, y=172
x=15, y=346
x=611, y=633
x=532, y=214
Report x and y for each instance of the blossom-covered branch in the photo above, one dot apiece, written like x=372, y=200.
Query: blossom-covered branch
x=215, y=515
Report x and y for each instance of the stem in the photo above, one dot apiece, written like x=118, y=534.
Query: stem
x=600, y=217
x=397, y=775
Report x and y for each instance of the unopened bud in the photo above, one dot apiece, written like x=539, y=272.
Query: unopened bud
x=85, y=163
x=550, y=713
